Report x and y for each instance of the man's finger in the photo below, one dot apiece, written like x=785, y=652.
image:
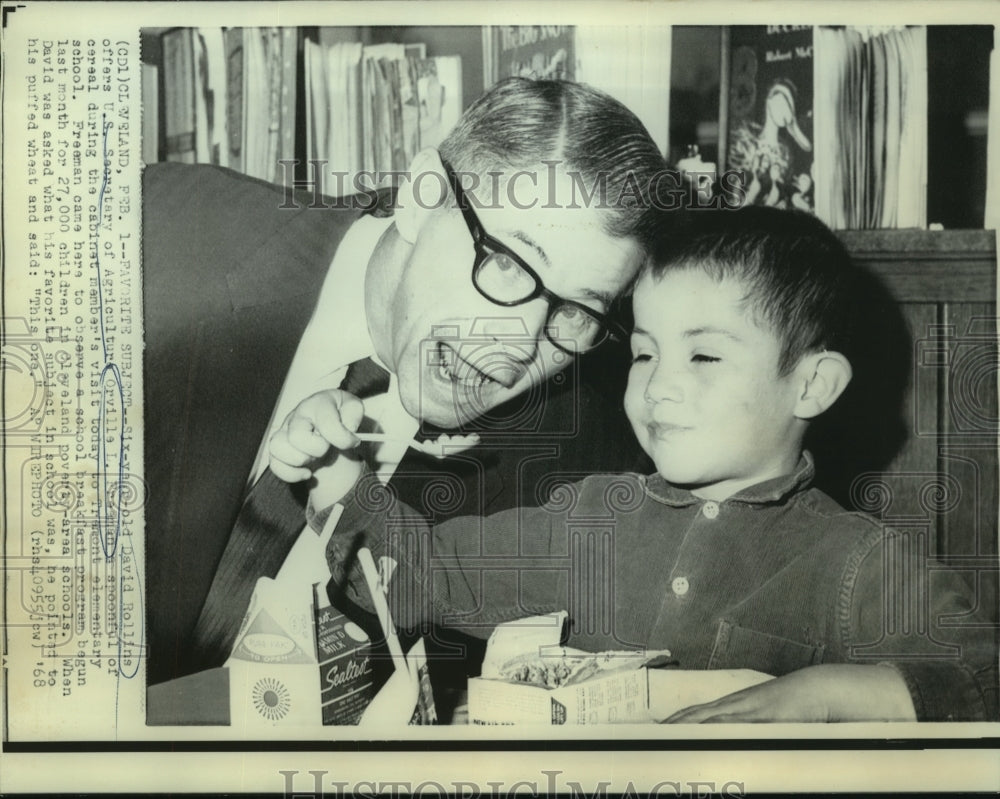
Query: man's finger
x=290, y=474
x=283, y=450
x=303, y=434
x=351, y=411
x=338, y=417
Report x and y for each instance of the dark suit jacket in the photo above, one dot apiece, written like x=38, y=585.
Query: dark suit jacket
x=230, y=279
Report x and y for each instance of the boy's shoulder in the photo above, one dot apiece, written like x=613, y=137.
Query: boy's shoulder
x=831, y=517
x=605, y=494
x=818, y=501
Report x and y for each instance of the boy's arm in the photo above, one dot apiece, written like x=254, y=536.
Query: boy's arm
x=827, y=692
x=934, y=630
x=465, y=572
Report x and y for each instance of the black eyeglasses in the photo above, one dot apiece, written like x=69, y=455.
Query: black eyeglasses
x=503, y=278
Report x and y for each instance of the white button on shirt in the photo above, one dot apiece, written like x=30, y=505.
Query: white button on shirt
x=680, y=586
x=710, y=510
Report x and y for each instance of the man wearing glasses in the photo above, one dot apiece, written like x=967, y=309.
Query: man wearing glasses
x=475, y=302
x=524, y=332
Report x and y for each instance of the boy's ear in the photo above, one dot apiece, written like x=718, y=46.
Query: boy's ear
x=420, y=194
x=823, y=377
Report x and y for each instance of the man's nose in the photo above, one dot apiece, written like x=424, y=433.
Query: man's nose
x=518, y=329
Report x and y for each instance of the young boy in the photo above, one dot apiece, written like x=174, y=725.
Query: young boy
x=726, y=556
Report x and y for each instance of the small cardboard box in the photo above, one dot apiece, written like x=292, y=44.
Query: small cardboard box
x=632, y=695
x=528, y=678
x=617, y=697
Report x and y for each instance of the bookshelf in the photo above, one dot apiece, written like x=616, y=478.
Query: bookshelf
x=630, y=63
x=955, y=59
x=636, y=64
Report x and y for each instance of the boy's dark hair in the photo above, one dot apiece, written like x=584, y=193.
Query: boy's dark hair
x=800, y=279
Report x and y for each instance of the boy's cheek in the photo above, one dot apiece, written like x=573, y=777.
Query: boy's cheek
x=634, y=399
x=642, y=436
x=635, y=413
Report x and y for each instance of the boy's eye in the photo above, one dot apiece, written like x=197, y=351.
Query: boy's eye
x=642, y=357
x=702, y=358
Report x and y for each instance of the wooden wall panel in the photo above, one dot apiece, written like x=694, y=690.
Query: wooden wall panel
x=917, y=464
x=946, y=475
x=969, y=427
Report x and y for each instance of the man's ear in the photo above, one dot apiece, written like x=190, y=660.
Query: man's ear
x=823, y=376
x=425, y=189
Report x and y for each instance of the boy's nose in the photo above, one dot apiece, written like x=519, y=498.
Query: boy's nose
x=664, y=386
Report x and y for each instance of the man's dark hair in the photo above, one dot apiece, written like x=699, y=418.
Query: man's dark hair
x=520, y=123
x=800, y=280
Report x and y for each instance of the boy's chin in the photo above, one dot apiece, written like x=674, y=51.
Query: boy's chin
x=681, y=477
x=701, y=488
x=687, y=475
x=675, y=465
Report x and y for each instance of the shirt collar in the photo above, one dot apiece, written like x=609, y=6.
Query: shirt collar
x=769, y=491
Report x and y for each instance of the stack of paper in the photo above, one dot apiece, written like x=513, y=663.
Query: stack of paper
x=871, y=127
x=370, y=109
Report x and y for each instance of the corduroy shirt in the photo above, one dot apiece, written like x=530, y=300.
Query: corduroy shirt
x=775, y=578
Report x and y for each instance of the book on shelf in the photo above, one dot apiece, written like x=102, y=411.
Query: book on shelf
x=381, y=134
x=333, y=108
x=233, y=42
x=828, y=120
x=268, y=112
x=770, y=113
x=229, y=98
x=371, y=108
x=210, y=96
x=630, y=63
x=529, y=51
x=179, y=100
x=871, y=114
x=439, y=97
x=150, y=75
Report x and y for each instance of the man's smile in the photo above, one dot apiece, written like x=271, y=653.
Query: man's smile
x=491, y=369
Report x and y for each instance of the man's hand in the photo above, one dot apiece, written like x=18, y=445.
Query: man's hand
x=313, y=435
x=828, y=692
